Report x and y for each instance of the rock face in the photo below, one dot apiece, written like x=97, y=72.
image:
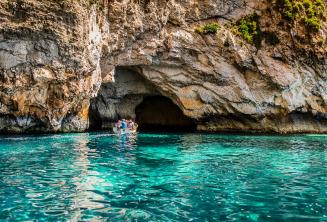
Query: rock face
x=119, y=99
x=57, y=57
x=49, y=65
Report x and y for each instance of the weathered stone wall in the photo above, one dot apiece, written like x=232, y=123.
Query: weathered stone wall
x=54, y=56
x=49, y=65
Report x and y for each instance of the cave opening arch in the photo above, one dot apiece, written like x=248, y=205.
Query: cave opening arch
x=133, y=96
x=159, y=113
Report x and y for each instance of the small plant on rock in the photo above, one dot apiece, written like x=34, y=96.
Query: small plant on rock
x=310, y=12
x=210, y=28
x=248, y=27
x=313, y=24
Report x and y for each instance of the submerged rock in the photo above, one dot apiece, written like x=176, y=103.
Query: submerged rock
x=64, y=63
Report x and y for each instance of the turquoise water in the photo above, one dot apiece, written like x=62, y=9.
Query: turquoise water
x=163, y=177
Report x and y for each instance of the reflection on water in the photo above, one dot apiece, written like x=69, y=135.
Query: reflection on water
x=163, y=177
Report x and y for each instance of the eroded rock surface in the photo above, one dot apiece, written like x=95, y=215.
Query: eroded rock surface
x=49, y=65
x=56, y=55
x=118, y=99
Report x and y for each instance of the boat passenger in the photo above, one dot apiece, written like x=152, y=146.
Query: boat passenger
x=130, y=124
x=118, y=124
x=123, y=124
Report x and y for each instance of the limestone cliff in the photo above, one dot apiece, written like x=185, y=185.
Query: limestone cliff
x=57, y=57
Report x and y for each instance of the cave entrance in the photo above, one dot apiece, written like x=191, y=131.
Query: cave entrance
x=132, y=96
x=159, y=113
x=95, y=120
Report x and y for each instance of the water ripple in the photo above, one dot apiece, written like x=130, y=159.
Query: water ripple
x=163, y=177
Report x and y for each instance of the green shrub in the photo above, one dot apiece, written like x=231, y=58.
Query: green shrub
x=289, y=10
x=210, y=28
x=248, y=27
x=310, y=12
x=319, y=3
x=307, y=4
x=313, y=24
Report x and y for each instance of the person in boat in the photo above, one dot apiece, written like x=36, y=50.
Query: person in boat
x=134, y=125
x=118, y=124
x=123, y=124
x=130, y=124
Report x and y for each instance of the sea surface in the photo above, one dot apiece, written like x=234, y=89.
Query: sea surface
x=163, y=177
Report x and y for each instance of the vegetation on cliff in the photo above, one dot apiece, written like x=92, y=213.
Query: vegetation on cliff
x=210, y=28
x=309, y=12
x=249, y=28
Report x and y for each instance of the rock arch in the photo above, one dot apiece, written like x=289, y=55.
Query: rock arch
x=130, y=96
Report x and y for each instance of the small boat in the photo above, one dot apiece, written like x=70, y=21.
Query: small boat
x=124, y=131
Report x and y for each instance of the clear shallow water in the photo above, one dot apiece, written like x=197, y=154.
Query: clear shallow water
x=163, y=177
